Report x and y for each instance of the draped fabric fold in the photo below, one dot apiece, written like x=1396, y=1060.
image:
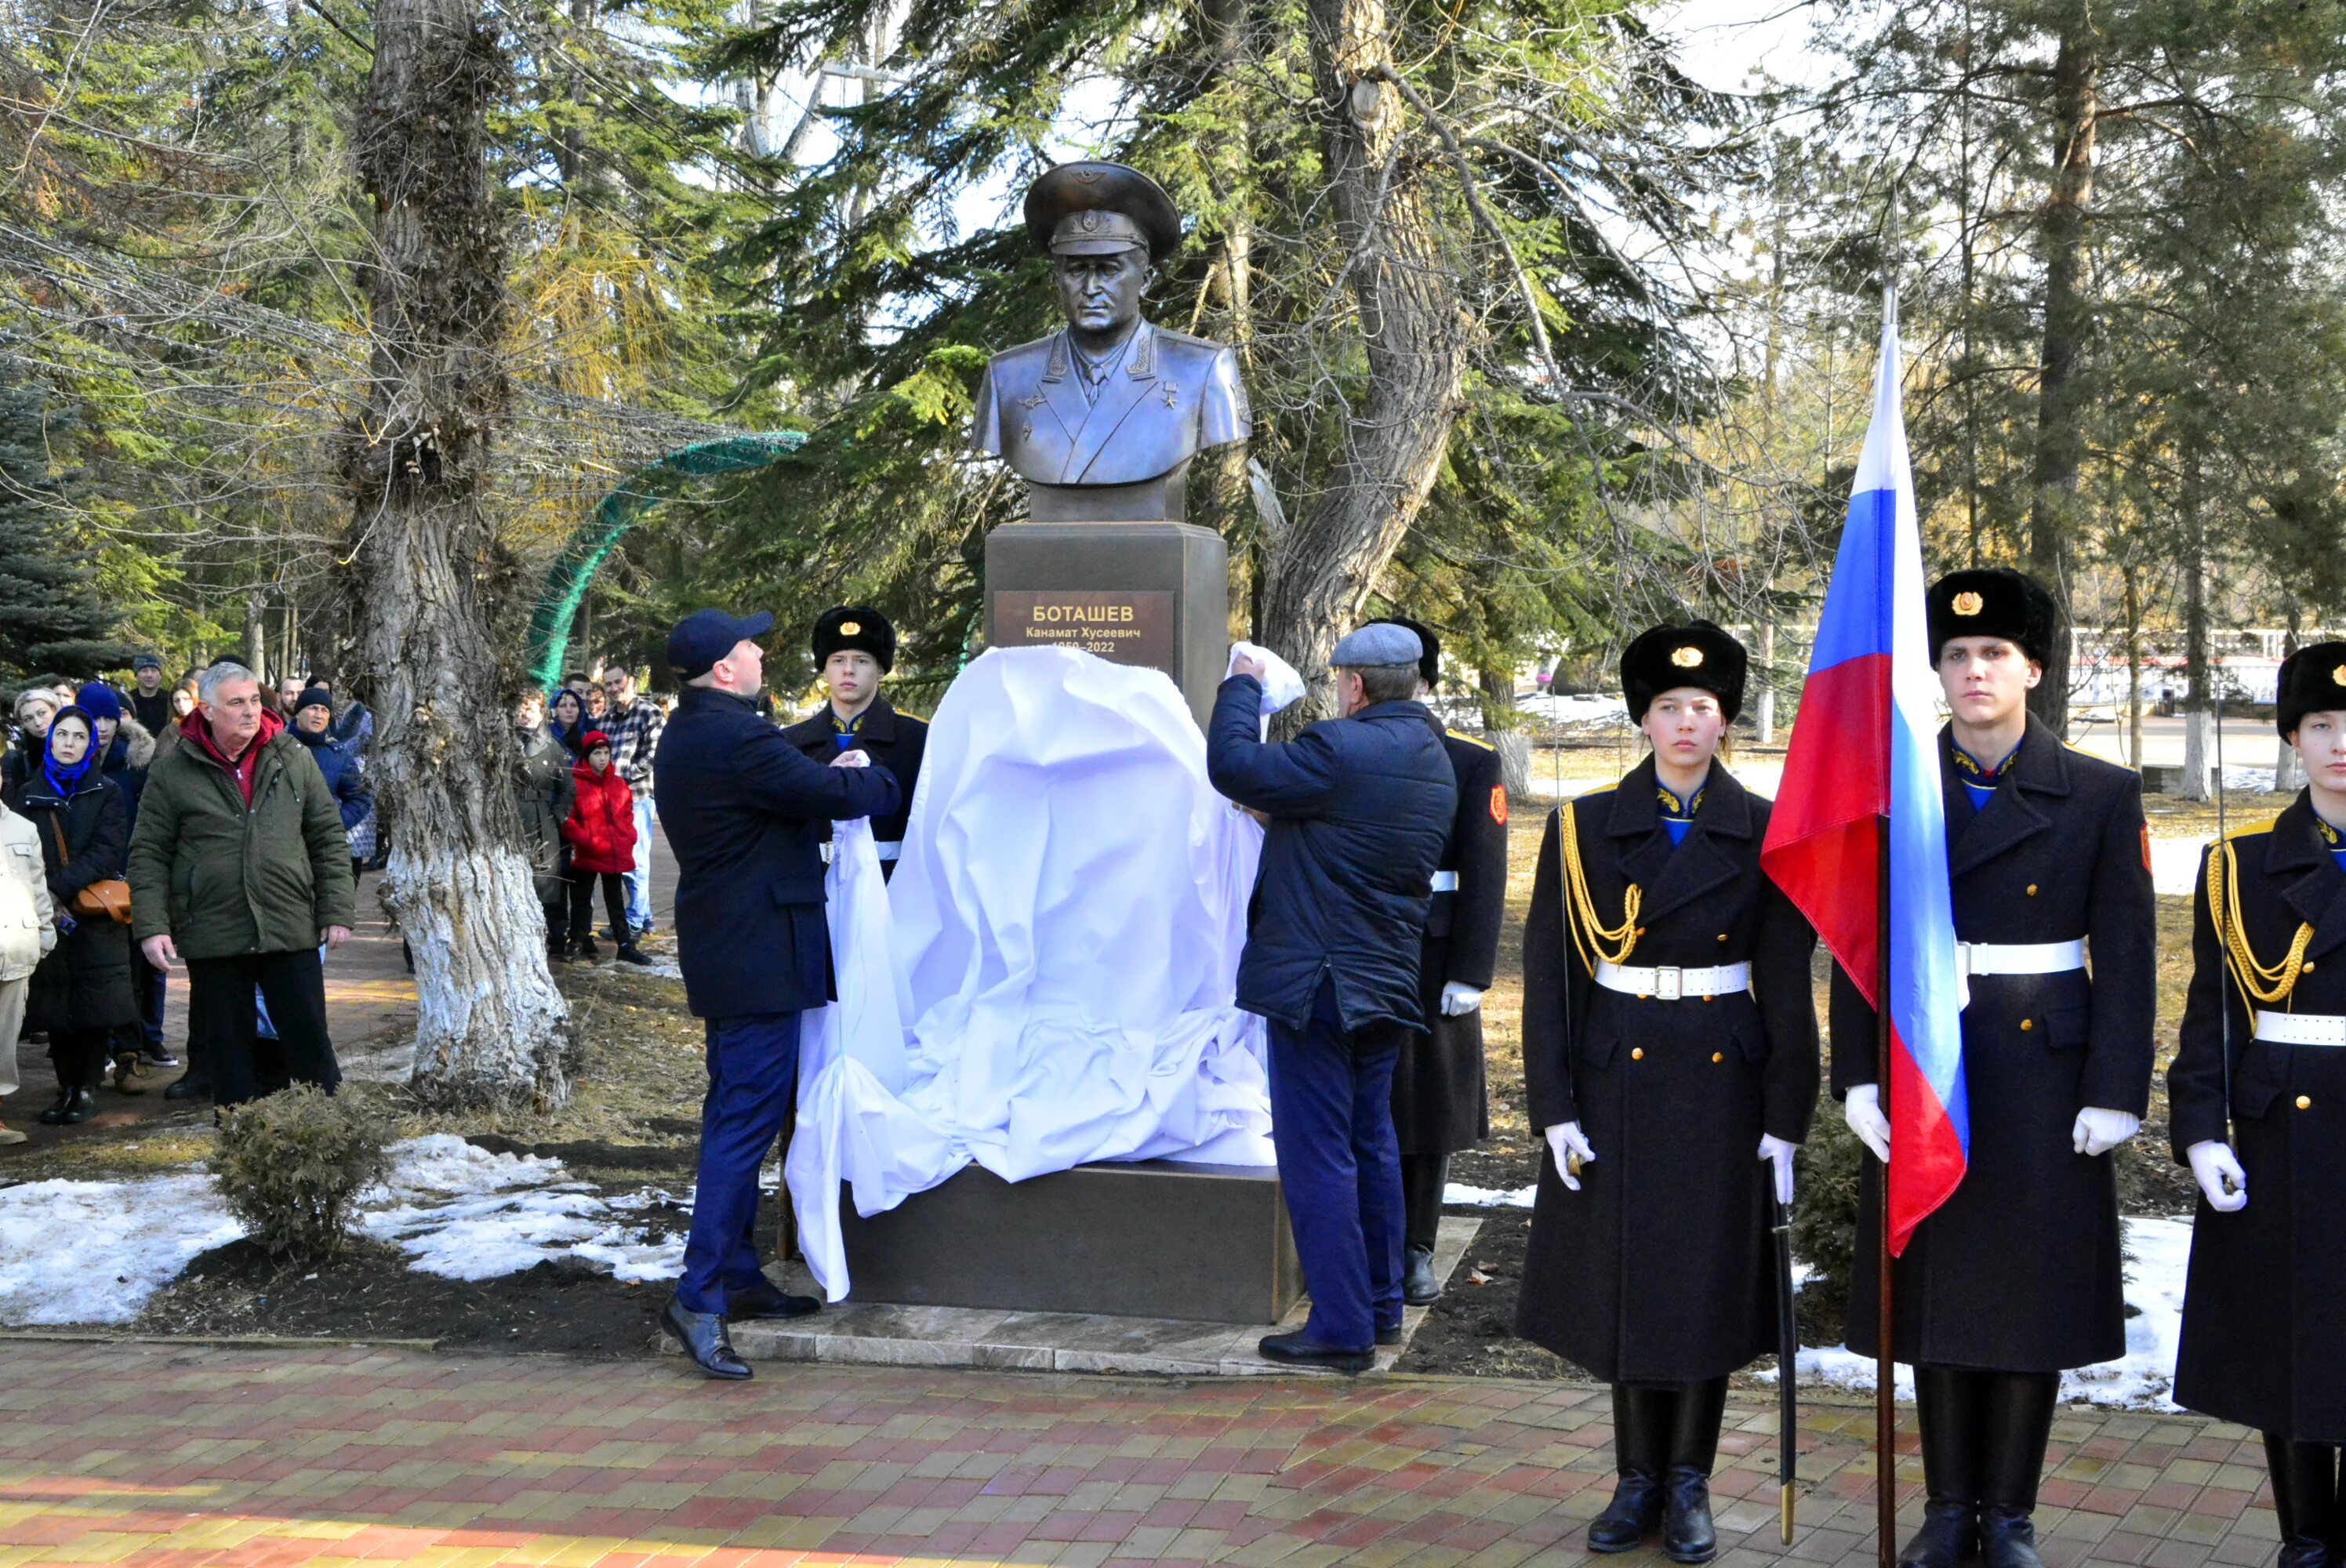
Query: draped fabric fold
x=1049, y=980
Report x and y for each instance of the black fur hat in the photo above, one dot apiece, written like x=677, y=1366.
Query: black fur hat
x=1699, y=654
x=1992, y=602
x=2312, y=680
x=854, y=626
x=1429, y=663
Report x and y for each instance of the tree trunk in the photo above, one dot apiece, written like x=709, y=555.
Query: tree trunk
x=489, y=1023
x=2068, y=322
x=2288, y=778
x=1412, y=343
x=256, y=635
x=1766, y=673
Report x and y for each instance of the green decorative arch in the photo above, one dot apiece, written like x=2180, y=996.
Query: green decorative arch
x=584, y=554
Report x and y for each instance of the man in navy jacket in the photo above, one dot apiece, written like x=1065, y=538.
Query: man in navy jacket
x=744, y=813
x=1359, y=809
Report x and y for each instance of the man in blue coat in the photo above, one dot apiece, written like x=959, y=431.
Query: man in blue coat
x=1360, y=808
x=745, y=813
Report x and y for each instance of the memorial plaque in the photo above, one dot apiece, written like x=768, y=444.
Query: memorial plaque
x=1121, y=626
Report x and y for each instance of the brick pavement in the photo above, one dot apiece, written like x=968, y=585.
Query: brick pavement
x=151, y=1454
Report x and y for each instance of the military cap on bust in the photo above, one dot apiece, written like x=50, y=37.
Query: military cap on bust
x=854, y=626
x=1992, y=602
x=1377, y=644
x=1429, y=662
x=1699, y=654
x=1090, y=209
x=2312, y=680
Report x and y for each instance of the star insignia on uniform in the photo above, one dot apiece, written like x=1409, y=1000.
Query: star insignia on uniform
x=849, y=629
x=1688, y=657
x=1171, y=392
x=1968, y=604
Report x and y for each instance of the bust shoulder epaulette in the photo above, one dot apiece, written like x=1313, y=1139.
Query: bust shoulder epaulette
x=1186, y=340
x=1470, y=740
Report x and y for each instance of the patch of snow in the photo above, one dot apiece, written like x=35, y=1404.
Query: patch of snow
x=1458, y=1192
x=2159, y=1253
x=93, y=1251
x=96, y=1251
x=2175, y=865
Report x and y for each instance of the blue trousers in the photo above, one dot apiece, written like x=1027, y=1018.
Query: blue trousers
x=753, y=1070
x=1340, y=1165
x=638, y=882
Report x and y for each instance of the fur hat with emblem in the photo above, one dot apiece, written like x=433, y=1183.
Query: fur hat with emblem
x=1992, y=602
x=1697, y=654
x=854, y=626
x=2312, y=680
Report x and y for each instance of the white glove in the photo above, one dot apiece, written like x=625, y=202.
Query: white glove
x=1863, y=1110
x=1457, y=1000
x=1564, y=1142
x=2099, y=1132
x=1777, y=1149
x=2213, y=1165
x=852, y=759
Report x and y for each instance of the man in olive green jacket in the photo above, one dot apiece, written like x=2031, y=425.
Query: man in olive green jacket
x=239, y=867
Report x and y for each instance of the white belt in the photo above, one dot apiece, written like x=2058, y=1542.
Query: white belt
x=887, y=852
x=1669, y=983
x=2301, y=1028
x=1445, y=881
x=2019, y=957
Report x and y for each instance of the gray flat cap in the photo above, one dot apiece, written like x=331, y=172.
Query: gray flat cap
x=1379, y=642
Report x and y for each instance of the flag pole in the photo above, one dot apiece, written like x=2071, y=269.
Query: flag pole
x=1885, y=1364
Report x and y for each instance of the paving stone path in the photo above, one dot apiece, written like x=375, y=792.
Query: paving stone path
x=159, y=1454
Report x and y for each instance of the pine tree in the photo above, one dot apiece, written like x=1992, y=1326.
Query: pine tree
x=51, y=616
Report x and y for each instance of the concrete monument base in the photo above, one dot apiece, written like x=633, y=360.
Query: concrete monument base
x=1156, y=1238
x=1153, y=594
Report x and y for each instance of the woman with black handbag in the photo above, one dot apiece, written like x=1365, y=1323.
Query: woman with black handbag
x=82, y=991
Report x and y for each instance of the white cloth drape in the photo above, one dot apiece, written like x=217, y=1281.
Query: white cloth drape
x=1049, y=979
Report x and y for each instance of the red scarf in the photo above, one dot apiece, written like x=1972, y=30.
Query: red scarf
x=242, y=768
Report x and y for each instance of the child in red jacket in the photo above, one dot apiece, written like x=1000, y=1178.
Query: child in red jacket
x=601, y=833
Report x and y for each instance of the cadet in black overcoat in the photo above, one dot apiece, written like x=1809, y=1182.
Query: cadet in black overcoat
x=2264, y=1126
x=1440, y=1103
x=2019, y=1274
x=1652, y=1264
x=858, y=718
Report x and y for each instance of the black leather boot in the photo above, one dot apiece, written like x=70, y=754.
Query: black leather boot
x=81, y=1104
x=55, y=1115
x=706, y=1340
x=1423, y=1179
x=2019, y=1418
x=1687, y=1535
x=2305, y=1496
x=1641, y=1433
x=1949, y=1403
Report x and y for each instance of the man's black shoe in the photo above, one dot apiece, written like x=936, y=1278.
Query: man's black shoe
x=1635, y=1507
x=54, y=1114
x=1389, y=1337
x=630, y=954
x=1950, y=1534
x=1304, y=1352
x=765, y=1299
x=81, y=1104
x=706, y=1340
x=190, y=1087
x=157, y=1056
x=1419, y=1286
x=1687, y=1533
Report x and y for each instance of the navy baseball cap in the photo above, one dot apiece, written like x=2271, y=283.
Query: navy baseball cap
x=704, y=636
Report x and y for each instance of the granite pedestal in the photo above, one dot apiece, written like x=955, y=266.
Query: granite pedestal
x=1143, y=593
x=1154, y=1238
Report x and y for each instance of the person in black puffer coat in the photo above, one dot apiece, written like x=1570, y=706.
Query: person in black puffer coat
x=339, y=762
x=1359, y=810
x=82, y=993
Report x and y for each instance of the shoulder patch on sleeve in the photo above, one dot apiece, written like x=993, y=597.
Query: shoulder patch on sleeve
x=1470, y=740
x=2251, y=828
x=2146, y=846
x=1499, y=804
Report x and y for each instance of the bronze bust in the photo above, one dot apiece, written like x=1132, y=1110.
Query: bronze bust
x=1102, y=418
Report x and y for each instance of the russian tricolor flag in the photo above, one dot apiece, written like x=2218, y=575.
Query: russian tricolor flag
x=1862, y=775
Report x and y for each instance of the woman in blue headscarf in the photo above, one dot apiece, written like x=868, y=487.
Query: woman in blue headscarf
x=82, y=991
